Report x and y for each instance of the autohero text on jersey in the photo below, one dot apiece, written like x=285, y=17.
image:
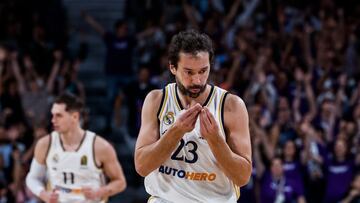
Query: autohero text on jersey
x=198, y=176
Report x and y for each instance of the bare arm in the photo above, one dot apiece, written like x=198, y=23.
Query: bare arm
x=151, y=150
x=16, y=70
x=41, y=149
x=54, y=71
x=112, y=168
x=234, y=153
x=310, y=97
x=259, y=165
x=352, y=194
x=260, y=137
x=232, y=13
x=232, y=72
x=190, y=12
x=93, y=23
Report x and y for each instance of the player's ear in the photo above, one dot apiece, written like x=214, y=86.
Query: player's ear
x=76, y=115
x=172, y=68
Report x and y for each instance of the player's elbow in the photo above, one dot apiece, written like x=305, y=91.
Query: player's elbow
x=141, y=164
x=122, y=185
x=244, y=177
x=241, y=181
x=141, y=169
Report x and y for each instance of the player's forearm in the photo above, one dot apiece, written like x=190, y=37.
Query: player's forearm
x=112, y=188
x=150, y=157
x=236, y=167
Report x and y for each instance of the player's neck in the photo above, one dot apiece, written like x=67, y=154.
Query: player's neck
x=187, y=100
x=73, y=137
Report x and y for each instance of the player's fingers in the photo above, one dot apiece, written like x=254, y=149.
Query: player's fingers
x=191, y=120
x=190, y=116
x=204, y=121
x=205, y=118
x=54, y=198
x=202, y=126
x=54, y=195
x=209, y=115
x=193, y=110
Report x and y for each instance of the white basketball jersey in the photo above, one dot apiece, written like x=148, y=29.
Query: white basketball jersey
x=192, y=173
x=68, y=172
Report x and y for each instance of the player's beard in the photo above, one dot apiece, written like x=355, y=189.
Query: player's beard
x=186, y=91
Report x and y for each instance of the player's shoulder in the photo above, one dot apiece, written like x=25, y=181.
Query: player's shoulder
x=42, y=148
x=44, y=141
x=154, y=98
x=155, y=94
x=101, y=142
x=101, y=146
x=233, y=103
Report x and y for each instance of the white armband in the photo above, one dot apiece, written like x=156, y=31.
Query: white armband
x=35, y=179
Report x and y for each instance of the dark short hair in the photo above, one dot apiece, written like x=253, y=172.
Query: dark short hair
x=72, y=102
x=190, y=42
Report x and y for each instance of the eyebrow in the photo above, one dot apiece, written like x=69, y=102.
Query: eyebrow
x=203, y=68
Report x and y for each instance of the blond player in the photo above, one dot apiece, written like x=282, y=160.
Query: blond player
x=71, y=163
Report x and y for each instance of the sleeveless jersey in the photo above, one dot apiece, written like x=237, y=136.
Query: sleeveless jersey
x=191, y=174
x=69, y=171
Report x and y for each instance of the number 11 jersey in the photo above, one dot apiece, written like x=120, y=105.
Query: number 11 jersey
x=69, y=171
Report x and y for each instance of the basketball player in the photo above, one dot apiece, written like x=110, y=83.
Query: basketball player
x=73, y=161
x=194, y=141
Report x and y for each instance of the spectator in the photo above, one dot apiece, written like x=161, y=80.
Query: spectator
x=339, y=173
x=275, y=187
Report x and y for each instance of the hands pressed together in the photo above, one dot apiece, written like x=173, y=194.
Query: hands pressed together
x=89, y=193
x=209, y=128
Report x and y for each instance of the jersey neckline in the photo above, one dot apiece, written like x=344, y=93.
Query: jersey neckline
x=204, y=104
x=77, y=149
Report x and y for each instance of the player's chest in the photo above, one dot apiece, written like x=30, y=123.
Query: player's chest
x=70, y=160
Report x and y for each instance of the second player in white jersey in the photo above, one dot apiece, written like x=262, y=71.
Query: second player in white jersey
x=69, y=165
x=70, y=171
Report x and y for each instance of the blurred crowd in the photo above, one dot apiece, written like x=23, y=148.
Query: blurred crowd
x=295, y=64
x=35, y=66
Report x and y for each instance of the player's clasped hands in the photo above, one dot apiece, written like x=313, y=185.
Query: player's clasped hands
x=186, y=121
x=51, y=196
x=208, y=125
x=92, y=194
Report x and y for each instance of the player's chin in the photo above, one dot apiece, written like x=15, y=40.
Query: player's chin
x=194, y=95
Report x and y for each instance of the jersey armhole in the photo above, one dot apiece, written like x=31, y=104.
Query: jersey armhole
x=222, y=106
x=48, y=148
x=162, y=104
x=93, y=152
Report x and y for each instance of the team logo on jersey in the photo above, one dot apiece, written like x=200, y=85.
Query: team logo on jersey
x=55, y=158
x=83, y=161
x=169, y=118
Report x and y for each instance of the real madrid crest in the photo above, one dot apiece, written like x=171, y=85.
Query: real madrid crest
x=83, y=161
x=55, y=158
x=169, y=118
